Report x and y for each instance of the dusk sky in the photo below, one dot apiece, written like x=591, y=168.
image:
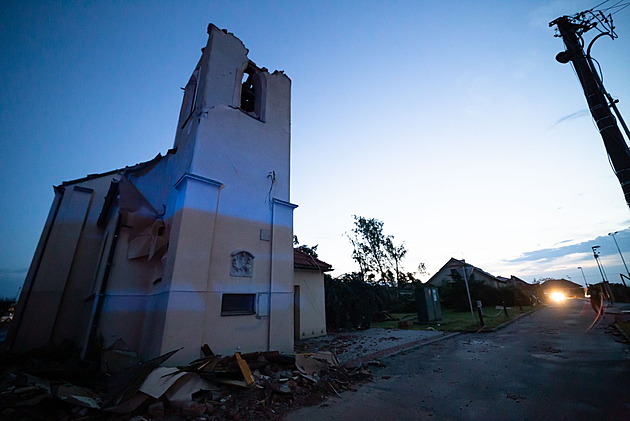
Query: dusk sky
x=450, y=121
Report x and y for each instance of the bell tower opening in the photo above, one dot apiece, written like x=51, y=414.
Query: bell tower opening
x=251, y=91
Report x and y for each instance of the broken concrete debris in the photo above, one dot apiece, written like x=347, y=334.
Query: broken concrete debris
x=260, y=385
x=23, y=390
x=77, y=395
x=312, y=364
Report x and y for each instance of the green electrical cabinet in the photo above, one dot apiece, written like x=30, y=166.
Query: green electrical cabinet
x=428, y=304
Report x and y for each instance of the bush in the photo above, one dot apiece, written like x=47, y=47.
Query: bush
x=453, y=295
x=350, y=302
x=514, y=296
x=403, y=305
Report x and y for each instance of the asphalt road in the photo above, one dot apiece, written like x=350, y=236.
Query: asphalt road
x=545, y=366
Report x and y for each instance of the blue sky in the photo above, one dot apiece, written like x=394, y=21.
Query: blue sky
x=448, y=120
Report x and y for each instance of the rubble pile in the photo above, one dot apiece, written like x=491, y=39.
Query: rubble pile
x=255, y=386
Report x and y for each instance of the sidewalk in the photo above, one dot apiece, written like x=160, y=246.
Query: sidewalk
x=618, y=308
x=616, y=313
x=359, y=347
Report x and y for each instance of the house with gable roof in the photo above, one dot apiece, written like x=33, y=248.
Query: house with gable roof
x=455, y=268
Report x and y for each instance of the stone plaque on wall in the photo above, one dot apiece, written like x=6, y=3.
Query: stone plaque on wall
x=242, y=264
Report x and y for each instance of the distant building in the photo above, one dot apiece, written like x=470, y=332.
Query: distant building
x=532, y=290
x=516, y=282
x=454, y=269
x=570, y=289
x=190, y=248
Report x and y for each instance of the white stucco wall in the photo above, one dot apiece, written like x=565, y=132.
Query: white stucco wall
x=239, y=167
x=311, y=302
x=225, y=189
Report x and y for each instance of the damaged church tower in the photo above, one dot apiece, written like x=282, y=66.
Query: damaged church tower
x=190, y=248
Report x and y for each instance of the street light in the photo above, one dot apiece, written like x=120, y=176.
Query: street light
x=612, y=234
x=599, y=265
x=601, y=271
x=583, y=276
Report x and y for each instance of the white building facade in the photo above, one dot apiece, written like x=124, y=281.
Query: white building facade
x=190, y=248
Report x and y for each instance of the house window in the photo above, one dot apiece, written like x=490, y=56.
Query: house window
x=237, y=304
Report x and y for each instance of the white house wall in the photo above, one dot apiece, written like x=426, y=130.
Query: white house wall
x=312, y=303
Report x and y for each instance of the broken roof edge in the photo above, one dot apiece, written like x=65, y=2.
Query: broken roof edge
x=513, y=278
x=213, y=29
x=125, y=170
x=303, y=260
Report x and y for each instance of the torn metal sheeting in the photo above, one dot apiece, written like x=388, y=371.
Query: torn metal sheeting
x=160, y=380
x=128, y=382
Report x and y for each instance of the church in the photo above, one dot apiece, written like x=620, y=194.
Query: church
x=192, y=248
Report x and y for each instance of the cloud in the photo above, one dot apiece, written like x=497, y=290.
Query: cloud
x=564, y=259
x=544, y=255
x=549, y=254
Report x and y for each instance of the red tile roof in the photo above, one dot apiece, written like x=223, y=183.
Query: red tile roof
x=302, y=260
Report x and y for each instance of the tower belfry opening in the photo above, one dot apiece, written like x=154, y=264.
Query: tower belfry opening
x=251, y=90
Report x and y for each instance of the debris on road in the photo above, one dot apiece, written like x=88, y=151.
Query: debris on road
x=260, y=385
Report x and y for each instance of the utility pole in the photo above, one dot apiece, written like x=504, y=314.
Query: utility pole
x=472, y=313
x=600, y=103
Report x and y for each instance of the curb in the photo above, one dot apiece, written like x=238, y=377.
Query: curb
x=422, y=342
x=395, y=350
x=509, y=322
